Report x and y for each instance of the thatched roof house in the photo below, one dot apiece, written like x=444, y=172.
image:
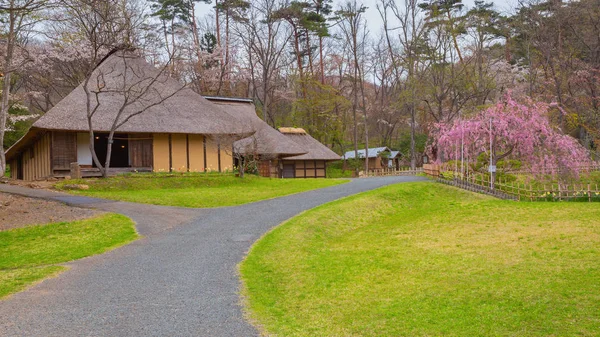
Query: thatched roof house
x=267, y=142
x=312, y=164
x=162, y=126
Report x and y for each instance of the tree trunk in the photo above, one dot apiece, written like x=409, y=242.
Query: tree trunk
x=93, y=152
x=109, y=154
x=242, y=166
x=4, y=105
x=195, y=36
x=366, y=119
x=4, y=111
x=321, y=65
x=265, y=96
x=308, y=50
x=227, y=66
x=299, y=59
x=217, y=23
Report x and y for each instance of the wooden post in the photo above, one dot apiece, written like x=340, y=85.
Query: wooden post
x=530, y=192
x=559, y=192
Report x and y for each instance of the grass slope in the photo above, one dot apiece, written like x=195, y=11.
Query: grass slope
x=424, y=259
x=197, y=190
x=29, y=254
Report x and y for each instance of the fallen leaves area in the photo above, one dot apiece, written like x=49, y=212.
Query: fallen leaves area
x=17, y=211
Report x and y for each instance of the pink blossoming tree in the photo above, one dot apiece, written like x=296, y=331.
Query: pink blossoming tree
x=519, y=131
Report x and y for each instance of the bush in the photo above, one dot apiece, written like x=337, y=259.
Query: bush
x=336, y=170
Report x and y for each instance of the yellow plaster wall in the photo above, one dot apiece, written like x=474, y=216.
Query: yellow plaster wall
x=212, y=154
x=226, y=157
x=179, y=152
x=160, y=151
x=196, y=145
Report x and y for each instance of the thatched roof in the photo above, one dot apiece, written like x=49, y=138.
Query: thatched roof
x=288, y=130
x=267, y=141
x=167, y=106
x=316, y=150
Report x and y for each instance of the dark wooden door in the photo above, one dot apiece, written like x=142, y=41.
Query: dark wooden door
x=64, y=150
x=19, y=168
x=289, y=170
x=140, y=150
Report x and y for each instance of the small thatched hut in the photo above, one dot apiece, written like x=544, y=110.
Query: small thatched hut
x=312, y=164
x=267, y=145
x=166, y=127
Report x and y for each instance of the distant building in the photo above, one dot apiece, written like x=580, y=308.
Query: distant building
x=312, y=164
x=394, y=160
x=287, y=153
x=378, y=157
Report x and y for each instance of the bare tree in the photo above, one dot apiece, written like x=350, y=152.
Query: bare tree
x=412, y=32
x=18, y=15
x=244, y=151
x=265, y=40
x=352, y=24
x=132, y=87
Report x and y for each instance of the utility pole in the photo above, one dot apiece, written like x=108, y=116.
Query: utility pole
x=492, y=168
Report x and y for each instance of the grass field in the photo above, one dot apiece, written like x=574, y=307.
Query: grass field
x=423, y=259
x=31, y=254
x=197, y=190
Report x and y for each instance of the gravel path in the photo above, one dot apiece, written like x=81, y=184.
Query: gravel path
x=179, y=280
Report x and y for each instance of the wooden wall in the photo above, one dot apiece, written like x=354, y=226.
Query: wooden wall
x=140, y=150
x=14, y=167
x=190, y=153
x=36, y=160
x=375, y=163
x=64, y=150
x=269, y=168
x=309, y=168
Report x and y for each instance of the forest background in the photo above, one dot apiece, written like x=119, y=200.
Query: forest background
x=383, y=73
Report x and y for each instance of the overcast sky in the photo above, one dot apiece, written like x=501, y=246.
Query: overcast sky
x=372, y=15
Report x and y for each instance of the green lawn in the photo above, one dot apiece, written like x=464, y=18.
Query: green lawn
x=424, y=259
x=196, y=190
x=30, y=254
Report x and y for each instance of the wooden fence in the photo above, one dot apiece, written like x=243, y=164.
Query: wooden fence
x=432, y=170
x=403, y=171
